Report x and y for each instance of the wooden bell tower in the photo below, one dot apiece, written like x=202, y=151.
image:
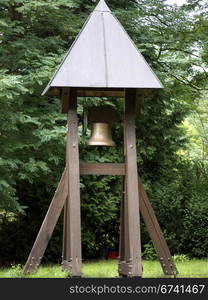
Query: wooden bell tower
x=102, y=62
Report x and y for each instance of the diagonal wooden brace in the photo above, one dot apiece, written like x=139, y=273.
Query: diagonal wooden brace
x=48, y=225
x=155, y=233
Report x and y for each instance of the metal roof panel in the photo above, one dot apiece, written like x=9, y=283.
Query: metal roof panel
x=102, y=6
x=104, y=56
x=126, y=66
x=85, y=64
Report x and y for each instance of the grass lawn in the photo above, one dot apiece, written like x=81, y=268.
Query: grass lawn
x=191, y=269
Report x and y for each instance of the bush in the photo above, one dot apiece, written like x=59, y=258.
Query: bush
x=180, y=258
x=180, y=200
x=149, y=252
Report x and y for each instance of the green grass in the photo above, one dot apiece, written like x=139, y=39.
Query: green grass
x=191, y=269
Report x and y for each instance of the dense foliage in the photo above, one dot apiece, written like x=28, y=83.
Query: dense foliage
x=34, y=38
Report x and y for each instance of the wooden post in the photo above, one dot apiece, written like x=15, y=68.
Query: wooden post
x=72, y=234
x=64, y=109
x=132, y=266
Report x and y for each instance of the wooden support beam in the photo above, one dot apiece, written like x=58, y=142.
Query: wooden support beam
x=122, y=228
x=53, y=91
x=65, y=100
x=100, y=93
x=102, y=169
x=155, y=233
x=65, y=234
x=48, y=226
x=131, y=266
x=96, y=92
x=72, y=236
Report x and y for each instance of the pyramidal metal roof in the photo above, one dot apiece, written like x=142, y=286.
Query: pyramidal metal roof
x=103, y=56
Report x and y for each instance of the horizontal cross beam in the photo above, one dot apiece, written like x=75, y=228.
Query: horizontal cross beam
x=100, y=93
x=102, y=169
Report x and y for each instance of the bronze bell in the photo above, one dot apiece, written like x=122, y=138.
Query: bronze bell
x=101, y=135
x=102, y=118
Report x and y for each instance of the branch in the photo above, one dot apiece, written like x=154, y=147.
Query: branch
x=180, y=50
x=182, y=80
x=161, y=21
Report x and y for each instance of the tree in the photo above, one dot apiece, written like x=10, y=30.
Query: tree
x=34, y=38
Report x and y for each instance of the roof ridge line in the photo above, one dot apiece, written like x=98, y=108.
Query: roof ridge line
x=105, y=50
x=102, y=7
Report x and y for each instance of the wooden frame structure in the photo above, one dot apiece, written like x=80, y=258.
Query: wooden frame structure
x=135, y=199
x=67, y=195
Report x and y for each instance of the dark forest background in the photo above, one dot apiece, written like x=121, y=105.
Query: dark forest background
x=172, y=129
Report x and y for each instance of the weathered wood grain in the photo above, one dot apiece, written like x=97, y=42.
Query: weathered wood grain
x=48, y=225
x=72, y=238
x=155, y=233
x=102, y=169
x=132, y=239
x=100, y=93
